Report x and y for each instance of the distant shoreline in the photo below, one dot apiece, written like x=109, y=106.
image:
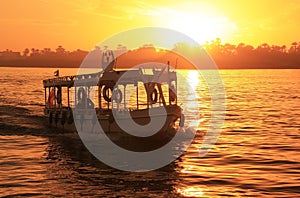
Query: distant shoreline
x=225, y=56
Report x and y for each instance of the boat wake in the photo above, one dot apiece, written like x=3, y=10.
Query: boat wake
x=15, y=120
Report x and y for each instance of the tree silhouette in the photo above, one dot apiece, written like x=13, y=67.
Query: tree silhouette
x=226, y=55
x=60, y=50
x=26, y=52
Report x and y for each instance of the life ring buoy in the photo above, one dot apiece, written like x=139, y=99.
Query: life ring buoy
x=58, y=95
x=51, y=97
x=172, y=94
x=106, y=94
x=154, y=96
x=81, y=94
x=117, y=95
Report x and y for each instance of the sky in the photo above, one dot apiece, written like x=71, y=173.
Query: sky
x=82, y=24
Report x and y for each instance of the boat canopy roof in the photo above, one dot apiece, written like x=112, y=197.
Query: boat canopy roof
x=124, y=77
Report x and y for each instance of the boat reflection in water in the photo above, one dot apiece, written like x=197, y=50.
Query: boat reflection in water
x=77, y=172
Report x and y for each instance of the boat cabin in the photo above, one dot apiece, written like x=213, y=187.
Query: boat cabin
x=122, y=90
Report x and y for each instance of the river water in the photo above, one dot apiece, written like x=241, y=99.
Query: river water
x=257, y=153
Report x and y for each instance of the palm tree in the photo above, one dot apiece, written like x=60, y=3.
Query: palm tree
x=26, y=52
x=60, y=50
x=293, y=48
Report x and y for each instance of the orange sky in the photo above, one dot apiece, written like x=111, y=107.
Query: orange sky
x=83, y=24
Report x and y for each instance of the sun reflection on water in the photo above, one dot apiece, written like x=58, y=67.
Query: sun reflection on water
x=193, y=79
x=191, y=192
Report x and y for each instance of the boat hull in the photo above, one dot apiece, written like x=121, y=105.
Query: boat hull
x=91, y=121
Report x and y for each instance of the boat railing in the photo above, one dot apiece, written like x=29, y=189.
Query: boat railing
x=69, y=80
x=59, y=79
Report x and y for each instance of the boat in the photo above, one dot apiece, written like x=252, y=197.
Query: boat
x=114, y=97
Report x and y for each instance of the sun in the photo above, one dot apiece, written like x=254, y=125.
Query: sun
x=199, y=25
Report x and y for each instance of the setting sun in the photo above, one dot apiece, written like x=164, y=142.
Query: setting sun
x=201, y=25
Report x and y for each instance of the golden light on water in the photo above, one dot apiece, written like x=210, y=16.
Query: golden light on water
x=193, y=106
x=193, y=78
x=191, y=192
